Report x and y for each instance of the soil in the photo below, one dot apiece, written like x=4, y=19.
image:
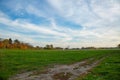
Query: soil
x=60, y=72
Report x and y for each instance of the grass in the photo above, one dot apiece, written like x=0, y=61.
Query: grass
x=109, y=69
x=16, y=61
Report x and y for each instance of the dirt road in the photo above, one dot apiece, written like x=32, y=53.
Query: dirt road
x=60, y=72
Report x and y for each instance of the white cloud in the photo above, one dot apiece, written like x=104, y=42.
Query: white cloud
x=100, y=21
x=62, y=36
x=21, y=25
x=35, y=11
x=97, y=13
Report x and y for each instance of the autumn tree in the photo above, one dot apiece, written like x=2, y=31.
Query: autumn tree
x=16, y=44
x=5, y=43
x=1, y=44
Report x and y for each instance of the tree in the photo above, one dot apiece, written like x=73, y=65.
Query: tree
x=16, y=44
x=10, y=41
x=1, y=44
x=6, y=43
x=16, y=41
x=118, y=45
x=51, y=46
x=47, y=47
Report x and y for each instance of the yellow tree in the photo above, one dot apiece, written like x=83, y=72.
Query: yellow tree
x=6, y=43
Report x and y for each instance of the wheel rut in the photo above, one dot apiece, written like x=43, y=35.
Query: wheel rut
x=60, y=72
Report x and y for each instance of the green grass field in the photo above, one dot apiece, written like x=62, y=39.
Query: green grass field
x=108, y=69
x=16, y=61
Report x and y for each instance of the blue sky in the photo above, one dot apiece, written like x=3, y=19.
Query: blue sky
x=75, y=23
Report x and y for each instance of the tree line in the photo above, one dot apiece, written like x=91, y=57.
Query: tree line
x=14, y=44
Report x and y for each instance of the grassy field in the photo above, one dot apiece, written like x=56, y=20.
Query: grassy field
x=108, y=69
x=16, y=61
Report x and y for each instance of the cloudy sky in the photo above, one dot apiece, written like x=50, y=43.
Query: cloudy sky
x=75, y=23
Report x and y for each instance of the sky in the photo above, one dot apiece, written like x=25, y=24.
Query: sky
x=74, y=23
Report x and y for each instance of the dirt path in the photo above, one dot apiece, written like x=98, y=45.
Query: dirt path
x=60, y=72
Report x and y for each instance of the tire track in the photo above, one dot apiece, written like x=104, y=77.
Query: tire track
x=60, y=72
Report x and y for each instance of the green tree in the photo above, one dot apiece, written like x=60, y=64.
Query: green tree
x=118, y=46
x=10, y=41
x=47, y=46
x=16, y=41
x=51, y=46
